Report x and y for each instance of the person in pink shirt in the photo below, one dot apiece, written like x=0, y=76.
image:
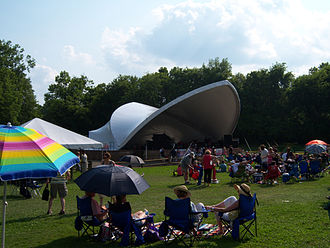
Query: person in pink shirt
x=99, y=212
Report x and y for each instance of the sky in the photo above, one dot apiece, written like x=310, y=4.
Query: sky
x=105, y=38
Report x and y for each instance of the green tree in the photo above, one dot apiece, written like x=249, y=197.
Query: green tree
x=264, y=109
x=66, y=104
x=310, y=107
x=17, y=99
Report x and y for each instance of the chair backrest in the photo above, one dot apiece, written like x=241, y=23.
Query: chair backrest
x=246, y=205
x=84, y=206
x=178, y=209
x=303, y=166
x=315, y=166
x=120, y=219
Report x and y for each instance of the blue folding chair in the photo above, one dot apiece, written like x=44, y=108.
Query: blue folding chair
x=315, y=167
x=246, y=218
x=125, y=223
x=86, y=222
x=294, y=172
x=181, y=221
x=303, y=167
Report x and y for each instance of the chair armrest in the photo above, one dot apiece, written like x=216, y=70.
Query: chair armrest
x=151, y=215
x=86, y=217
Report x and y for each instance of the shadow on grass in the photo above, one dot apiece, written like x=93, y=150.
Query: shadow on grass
x=16, y=197
x=40, y=217
x=83, y=242
x=75, y=242
x=189, y=186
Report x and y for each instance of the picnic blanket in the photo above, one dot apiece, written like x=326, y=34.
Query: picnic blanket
x=205, y=230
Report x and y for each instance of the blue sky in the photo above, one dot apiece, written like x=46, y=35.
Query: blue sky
x=104, y=38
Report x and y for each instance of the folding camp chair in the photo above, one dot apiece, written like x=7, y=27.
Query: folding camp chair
x=315, y=167
x=85, y=222
x=34, y=187
x=246, y=218
x=181, y=221
x=303, y=168
x=127, y=225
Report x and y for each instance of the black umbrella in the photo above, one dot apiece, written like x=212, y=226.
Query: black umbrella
x=112, y=180
x=132, y=159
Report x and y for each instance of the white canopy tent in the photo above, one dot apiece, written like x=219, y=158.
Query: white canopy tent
x=211, y=111
x=65, y=137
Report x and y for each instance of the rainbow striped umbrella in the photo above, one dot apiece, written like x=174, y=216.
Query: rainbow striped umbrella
x=25, y=153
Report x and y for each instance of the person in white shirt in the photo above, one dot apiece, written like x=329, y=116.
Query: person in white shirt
x=264, y=157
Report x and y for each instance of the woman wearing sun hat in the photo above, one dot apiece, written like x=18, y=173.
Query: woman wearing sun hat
x=182, y=192
x=229, y=207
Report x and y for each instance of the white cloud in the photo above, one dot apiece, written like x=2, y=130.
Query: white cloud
x=248, y=33
x=125, y=53
x=41, y=77
x=70, y=53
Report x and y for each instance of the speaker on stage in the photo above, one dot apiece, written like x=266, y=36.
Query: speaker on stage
x=235, y=142
x=227, y=139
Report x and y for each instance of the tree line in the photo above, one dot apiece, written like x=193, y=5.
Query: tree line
x=276, y=106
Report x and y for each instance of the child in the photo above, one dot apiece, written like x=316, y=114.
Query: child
x=199, y=167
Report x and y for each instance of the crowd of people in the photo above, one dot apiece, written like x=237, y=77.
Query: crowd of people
x=199, y=164
x=263, y=166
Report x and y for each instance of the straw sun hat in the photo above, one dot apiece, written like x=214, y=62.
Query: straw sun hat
x=181, y=188
x=244, y=189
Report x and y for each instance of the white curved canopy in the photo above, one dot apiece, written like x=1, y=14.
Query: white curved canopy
x=211, y=111
x=65, y=137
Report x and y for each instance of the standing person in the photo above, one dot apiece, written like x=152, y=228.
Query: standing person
x=185, y=164
x=200, y=170
x=58, y=185
x=107, y=159
x=173, y=154
x=162, y=152
x=78, y=167
x=264, y=157
x=83, y=161
x=208, y=166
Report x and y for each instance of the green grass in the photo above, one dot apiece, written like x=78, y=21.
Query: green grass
x=289, y=215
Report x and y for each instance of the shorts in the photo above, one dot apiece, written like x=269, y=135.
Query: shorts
x=60, y=188
x=184, y=168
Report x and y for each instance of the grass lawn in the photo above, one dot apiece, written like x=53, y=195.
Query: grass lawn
x=289, y=215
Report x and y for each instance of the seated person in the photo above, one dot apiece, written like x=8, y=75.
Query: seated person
x=248, y=167
x=182, y=192
x=272, y=173
x=120, y=204
x=99, y=212
x=229, y=207
x=238, y=169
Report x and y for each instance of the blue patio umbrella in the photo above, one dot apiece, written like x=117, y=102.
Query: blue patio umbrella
x=112, y=180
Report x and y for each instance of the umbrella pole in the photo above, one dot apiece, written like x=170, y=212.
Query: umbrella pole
x=4, y=213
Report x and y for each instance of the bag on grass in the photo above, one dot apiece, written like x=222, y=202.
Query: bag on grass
x=45, y=194
x=151, y=235
x=195, y=175
x=25, y=192
x=163, y=229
